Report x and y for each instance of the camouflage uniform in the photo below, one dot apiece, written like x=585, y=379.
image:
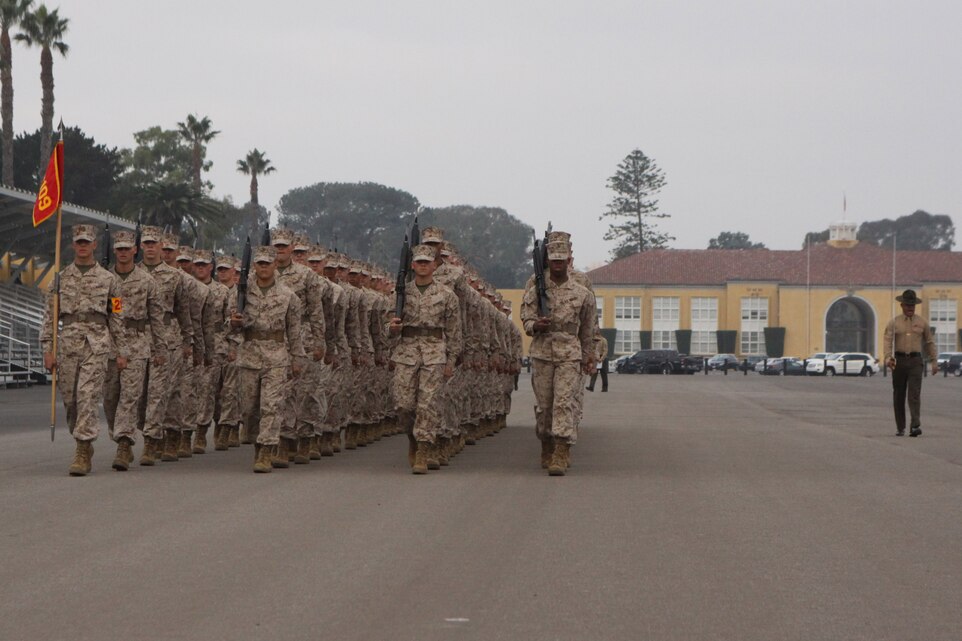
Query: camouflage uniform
x=90, y=329
x=227, y=412
x=558, y=355
x=143, y=313
x=272, y=335
x=216, y=315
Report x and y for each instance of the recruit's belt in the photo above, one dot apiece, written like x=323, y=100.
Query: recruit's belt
x=276, y=335
x=567, y=328
x=414, y=332
x=138, y=324
x=88, y=317
x=909, y=354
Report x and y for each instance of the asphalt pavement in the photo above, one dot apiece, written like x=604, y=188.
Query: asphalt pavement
x=700, y=507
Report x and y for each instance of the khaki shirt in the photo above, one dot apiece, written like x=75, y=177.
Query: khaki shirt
x=437, y=307
x=143, y=315
x=909, y=335
x=88, y=296
x=276, y=312
x=601, y=349
x=573, y=317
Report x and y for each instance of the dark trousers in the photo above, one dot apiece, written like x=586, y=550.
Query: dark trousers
x=604, y=377
x=907, y=382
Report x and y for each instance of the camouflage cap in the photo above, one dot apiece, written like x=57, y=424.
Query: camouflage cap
x=186, y=253
x=281, y=236
x=354, y=267
x=432, y=235
x=302, y=243
x=84, y=232
x=151, y=234
x=447, y=249
x=559, y=251
x=316, y=253
x=124, y=239
x=365, y=269
x=225, y=262
x=203, y=256
x=265, y=254
x=559, y=237
x=423, y=252
x=169, y=241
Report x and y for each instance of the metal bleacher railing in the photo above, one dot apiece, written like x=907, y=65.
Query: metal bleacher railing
x=21, y=315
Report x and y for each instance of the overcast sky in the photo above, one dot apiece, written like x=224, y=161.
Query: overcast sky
x=761, y=113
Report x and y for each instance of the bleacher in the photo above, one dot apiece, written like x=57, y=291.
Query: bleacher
x=21, y=314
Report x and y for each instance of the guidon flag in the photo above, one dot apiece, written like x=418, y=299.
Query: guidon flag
x=50, y=195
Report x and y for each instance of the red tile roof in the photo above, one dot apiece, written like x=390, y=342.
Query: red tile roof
x=862, y=265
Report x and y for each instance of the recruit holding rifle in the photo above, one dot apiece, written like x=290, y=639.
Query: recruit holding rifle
x=404, y=273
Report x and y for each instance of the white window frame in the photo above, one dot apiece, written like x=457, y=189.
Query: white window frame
x=943, y=316
x=704, y=325
x=627, y=341
x=754, y=314
x=628, y=308
x=665, y=317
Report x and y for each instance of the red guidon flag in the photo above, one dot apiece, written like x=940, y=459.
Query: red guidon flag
x=51, y=190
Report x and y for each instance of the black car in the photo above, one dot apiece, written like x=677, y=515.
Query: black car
x=723, y=362
x=953, y=364
x=748, y=363
x=659, y=361
x=782, y=367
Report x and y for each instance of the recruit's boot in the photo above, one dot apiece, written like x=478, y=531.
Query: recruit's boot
x=184, y=447
x=327, y=443
x=245, y=438
x=200, y=440
x=547, y=451
x=558, y=464
x=233, y=436
x=336, y=441
x=362, y=438
x=82, y=458
x=124, y=455
x=262, y=459
x=412, y=449
x=379, y=431
x=149, y=455
x=171, y=441
x=420, y=464
x=281, y=452
x=469, y=434
x=441, y=449
x=303, y=454
x=350, y=438
x=221, y=434
x=315, y=452
x=432, y=457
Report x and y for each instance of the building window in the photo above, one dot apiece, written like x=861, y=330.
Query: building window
x=600, y=308
x=627, y=341
x=754, y=322
x=943, y=315
x=704, y=325
x=627, y=308
x=664, y=321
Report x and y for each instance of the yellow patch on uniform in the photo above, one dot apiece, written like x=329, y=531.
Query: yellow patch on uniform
x=117, y=305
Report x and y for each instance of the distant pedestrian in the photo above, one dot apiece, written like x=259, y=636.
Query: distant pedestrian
x=907, y=336
x=601, y=358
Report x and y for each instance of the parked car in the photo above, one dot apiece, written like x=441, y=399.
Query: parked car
x=748, y=363
x=816, y=363
x=851, y=364
x=659, y=361
x=944, y=357
x=723, y=362
x=786, y=366
x=954, y=364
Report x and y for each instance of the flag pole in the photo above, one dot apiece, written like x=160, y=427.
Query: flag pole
x=55, y=320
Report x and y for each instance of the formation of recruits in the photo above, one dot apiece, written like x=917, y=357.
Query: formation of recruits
x=315, y=363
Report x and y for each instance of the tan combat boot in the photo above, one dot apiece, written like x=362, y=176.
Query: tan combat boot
x=262, y=459
x=547, y=450
x=171, y=441
x=362, y=438
x=281, y=453
x=82, y=458
x=316, y=447
x=441, y=447
x=200, y=440
x=336, y=441
x=302, y=456
x=221, y=436
x=350, y=438
x=412, y=450
x=245, y=438
x=557, y=466
x=149, y=455
x=432, y=457
x=327, y=443
x=420, y=464
x=184, y=447
x=124, y=455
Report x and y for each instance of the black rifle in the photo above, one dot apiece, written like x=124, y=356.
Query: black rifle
x=245, y=272
x=266, y=236
x=540, y=256
x=402, y=277
x=108, y=247
x=415, y=233
x=137, y=235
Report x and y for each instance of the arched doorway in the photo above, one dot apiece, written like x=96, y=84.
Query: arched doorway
x=850, y=326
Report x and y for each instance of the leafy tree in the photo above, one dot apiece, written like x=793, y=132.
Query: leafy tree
x=918, y=231
x=490, y=239
x=366, y=220
x=45, y=29
x=160, y=155
x=93, y=170
x=197, y=133
x=635, y=183
x=178, y=205
x=815, y=237
x=255, y=164
x=11, y=13
x=249, y=219
x=733, y=240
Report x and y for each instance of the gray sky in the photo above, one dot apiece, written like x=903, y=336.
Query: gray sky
x=761, y=113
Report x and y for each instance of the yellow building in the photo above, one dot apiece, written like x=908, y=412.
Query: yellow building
x=834, y=297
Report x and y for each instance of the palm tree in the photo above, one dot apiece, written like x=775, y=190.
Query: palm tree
x=256, y=164
x=198, y=133
x=11, y=13
x=45, y=29
x=173, y=203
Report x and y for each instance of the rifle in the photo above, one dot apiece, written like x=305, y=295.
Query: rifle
x=137, y=234
x=415, y=232
x=108, y=246
x=402, y=276
x=245, y=273
x=540, y=257
x=266, y=236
